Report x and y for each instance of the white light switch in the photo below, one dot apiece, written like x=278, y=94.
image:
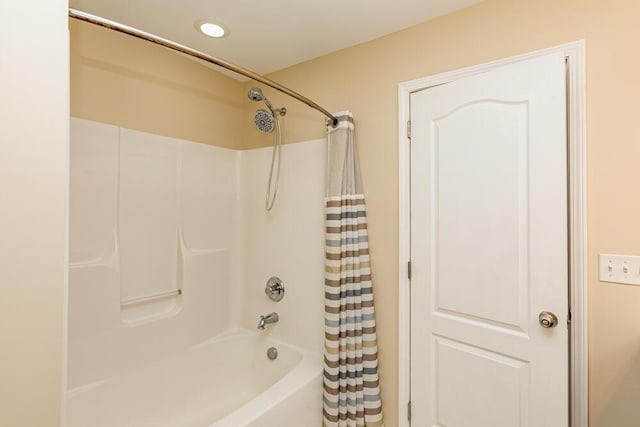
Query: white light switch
x=620, y=269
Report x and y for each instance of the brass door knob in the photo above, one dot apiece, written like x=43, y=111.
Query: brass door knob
x=548, y=319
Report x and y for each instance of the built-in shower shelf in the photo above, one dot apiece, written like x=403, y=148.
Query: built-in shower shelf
x=147, y=298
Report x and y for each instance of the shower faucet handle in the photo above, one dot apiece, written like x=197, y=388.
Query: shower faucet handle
x=274, y=289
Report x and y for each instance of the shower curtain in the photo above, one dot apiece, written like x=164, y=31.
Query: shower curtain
x=351, y=385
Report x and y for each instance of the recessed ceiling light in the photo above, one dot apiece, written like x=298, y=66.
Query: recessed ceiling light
x=211, y=29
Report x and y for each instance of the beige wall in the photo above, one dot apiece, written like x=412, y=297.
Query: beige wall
x=33, y=187
x=120, y=80
x=364, y=79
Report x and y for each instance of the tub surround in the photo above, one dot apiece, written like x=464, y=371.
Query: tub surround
x=142, y=223
x=152, y=214
x=287, y=242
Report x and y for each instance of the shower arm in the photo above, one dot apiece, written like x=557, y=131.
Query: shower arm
x=116, y=26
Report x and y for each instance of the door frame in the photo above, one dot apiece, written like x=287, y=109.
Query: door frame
x=576, y=143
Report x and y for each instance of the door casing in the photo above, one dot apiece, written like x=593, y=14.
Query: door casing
x=574, y=53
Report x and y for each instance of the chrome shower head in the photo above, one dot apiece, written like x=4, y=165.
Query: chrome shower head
x=264, y=121
x=255, y=94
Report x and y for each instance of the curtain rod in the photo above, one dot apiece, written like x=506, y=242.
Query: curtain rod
x=116, y=26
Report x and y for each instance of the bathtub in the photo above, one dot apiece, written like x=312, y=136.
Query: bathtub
x=227, y=381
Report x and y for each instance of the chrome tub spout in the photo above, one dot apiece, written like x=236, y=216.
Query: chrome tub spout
x=269, y=318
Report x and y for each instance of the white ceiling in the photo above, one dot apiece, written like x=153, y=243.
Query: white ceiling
x=268, y=35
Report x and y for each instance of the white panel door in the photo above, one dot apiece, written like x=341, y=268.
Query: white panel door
x=489, y=249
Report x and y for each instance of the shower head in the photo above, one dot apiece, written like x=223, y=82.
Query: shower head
x=255, y=94
x=264, y=121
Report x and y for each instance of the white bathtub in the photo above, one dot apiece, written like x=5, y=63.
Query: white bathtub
x=227, y=381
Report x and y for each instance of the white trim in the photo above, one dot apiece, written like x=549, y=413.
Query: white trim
x=404, y=252
x=575, y=52
x=577, y=125
x=65, y=315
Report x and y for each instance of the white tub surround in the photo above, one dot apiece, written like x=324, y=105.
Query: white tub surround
x=287, y=242
x=145, y=219
x=170, y=251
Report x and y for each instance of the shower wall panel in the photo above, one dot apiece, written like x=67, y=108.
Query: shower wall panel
x=148, y=214
x=287, y=242
x=151, y=214
x=147, y=222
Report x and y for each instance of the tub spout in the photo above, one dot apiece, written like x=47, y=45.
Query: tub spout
x=269, y=318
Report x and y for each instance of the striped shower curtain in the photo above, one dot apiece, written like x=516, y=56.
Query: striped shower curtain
x=351, y=386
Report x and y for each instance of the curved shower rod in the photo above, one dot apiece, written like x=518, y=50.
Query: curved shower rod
x=116, y=26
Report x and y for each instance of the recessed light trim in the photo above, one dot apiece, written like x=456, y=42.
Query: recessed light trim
x=212, y=29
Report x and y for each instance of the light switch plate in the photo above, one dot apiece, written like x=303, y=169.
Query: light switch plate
x=620, y=269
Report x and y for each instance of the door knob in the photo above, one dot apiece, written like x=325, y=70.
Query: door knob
x=548, y=319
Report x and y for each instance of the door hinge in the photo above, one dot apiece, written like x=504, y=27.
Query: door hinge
x=569, y=319
x=409, y=411
x=409, y=129
x=409, y=270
